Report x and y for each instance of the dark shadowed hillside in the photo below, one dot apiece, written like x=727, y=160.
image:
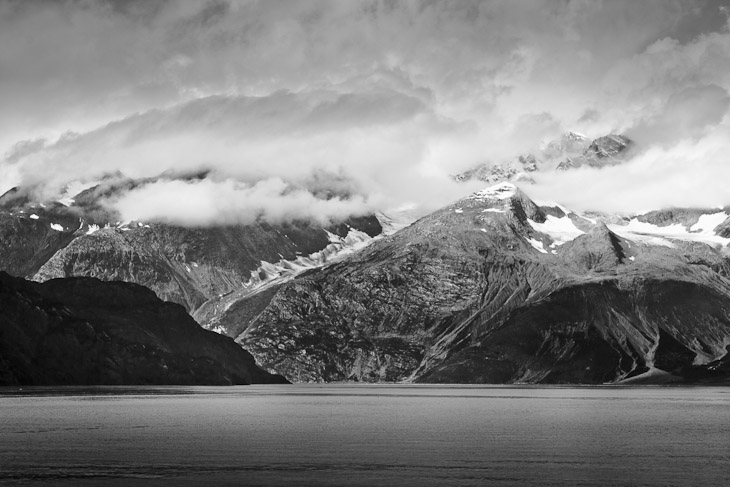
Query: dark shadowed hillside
x=82, y=331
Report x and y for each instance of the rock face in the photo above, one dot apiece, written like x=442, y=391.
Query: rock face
x=495, y=289
x=28, y=241
x=185, y=265
x=82, y=331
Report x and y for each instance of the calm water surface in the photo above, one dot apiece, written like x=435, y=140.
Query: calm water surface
x=365, y=435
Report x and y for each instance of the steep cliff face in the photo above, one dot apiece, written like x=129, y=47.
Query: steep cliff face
x=85, y=331
x=496, y=289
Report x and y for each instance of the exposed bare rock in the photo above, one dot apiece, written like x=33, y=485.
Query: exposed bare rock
x=496, y=289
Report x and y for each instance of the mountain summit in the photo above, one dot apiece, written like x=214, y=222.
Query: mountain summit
x=494, y=288
x=497, y=289
x=570, y=151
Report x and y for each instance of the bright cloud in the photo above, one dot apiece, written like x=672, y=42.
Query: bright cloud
x=204, y=202
x=373, y=100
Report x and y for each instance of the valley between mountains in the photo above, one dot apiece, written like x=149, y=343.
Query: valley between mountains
x=494, y=288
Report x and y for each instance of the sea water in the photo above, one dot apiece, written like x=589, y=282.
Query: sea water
x=365, y=435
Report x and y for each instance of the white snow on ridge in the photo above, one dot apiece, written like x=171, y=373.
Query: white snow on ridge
x=493, y=210
x=92, y=228
x=501, y=191
x=702, y=231
x=537, y=245
x=57, y=227
x=285, y=270
x=561, y=230
x=34, y=216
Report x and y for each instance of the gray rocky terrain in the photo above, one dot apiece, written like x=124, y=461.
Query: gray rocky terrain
x=496, y=289
x=491, y=289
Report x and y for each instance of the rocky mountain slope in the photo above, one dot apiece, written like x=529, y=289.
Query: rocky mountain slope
x=493, y=288
x=82, y=331
x=497, y=289
x=189, y=266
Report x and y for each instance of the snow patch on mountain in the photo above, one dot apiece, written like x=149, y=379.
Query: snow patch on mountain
x=537, y=245
x=396, y=219
x=702, y=231
x=57, y=227
x=285, y=270
x=560, y=230
x=708, y=223
x=34, y=216
x=501, y=191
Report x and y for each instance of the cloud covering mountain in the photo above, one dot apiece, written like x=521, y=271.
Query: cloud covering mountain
x=371, y=103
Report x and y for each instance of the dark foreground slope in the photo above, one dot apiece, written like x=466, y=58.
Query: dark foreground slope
x=496, y=289
x=83, y=331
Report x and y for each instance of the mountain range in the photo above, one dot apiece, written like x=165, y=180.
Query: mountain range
x=78, y=236
x=494, y=288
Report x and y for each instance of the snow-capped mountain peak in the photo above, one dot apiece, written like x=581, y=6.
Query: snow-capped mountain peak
x=500, y=191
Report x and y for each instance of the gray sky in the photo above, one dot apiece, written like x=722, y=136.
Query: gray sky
x=380, y=99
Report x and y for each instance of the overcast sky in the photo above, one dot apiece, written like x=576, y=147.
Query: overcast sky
x=377, y=100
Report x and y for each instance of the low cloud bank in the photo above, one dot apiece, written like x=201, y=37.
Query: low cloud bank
x=378, y=102
x=207, y=202
x=689, y=173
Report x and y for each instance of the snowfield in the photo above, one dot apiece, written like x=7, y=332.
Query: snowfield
x=560, y=230
x=703, y=231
